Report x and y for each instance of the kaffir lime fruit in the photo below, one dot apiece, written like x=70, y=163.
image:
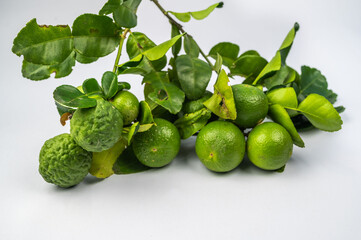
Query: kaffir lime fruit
x=220, y=146
x=159, y=145
x=128, y=105
x=63, y=162
x=98, y=128
x=251, y=105
x=191, y=106
x=269, y=146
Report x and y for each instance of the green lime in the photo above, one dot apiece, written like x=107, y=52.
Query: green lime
x=128, y=105
x=63, y=162
x=98, y=128
x=251, y=105
x=159, y=145
x=269, y=146
x=191, y=106
x=220, y=146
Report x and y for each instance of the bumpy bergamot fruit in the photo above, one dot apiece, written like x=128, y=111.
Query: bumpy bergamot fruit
x=97, y=129
x=63, y=162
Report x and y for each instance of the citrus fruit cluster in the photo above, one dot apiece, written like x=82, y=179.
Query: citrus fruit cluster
x=112, y=132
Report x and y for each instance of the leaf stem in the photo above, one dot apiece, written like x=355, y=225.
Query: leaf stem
x=122, y=38
x=180, y=28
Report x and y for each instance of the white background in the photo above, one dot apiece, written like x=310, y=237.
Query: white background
x=317, y=197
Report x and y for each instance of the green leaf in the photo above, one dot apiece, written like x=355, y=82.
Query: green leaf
x=190, y=46
x=218, y=64
x=83, y=59
x=160, y=50
x=285, y=97
x=178, y=45
x=312, y=81
x=248, y=66
x=165, y=93
x=228, y=51
x=62, y=109
x=123, y=85
x=340, y=109
x=191, y=123
x=110, y=6
x=199, y=15
x=45, y=45
x=280, y=116
x=222, y=102
x=145, y=113
x=70, y=96
x=103, y=162
x=94, y=35
x=109, y=84
x=280, y=58
x=127, y=163
x=125, y=15
x=39, y=72
x=91, y=87
x=132, y=131
x=320, y=112
x=193, y=75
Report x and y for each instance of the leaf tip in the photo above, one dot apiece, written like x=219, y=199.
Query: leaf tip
x=220, y=5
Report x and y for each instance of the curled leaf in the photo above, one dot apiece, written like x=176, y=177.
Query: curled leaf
x=70, y=96
x=191, y=123
x=199, y=15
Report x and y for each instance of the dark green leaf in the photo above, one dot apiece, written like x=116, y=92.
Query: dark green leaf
x=222, y=102
x=91, y=87
x=190, y=46
x=70, y=96
x=62, y=109
x=83, y=59
x=45, y=45
x=280, y=58
x=248, y=66
x=110, y=6
x=128, y=163
x=312, y=81
x=280, y=116
x=193, y=75
x=191, y=123
x=123, y=86
x=228, y=51
x=340, y=109
x=94, y=35
x=39, y=72
x=125, y=15
x=320, y=112
x=178, y=45
x=164, y=93
x=109, y=84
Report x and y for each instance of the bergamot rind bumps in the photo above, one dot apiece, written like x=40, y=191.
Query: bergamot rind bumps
x=97, y=129
x=63, y=162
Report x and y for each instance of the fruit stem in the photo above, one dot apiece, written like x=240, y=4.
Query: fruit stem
x=180, y=28
x=121, y=42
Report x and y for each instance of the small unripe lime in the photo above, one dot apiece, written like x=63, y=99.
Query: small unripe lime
x=220, y=146
x=128, y=105
x=269, y=146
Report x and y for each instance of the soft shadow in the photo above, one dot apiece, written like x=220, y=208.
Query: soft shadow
x=89, y=179
x=187, y=151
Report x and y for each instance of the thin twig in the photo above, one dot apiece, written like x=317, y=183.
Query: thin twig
x=122, y=38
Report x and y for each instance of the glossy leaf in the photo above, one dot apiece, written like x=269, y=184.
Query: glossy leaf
x=228, y=51
x=110, y=6
x=91, y=87
x=280, y=116
x=94, y=35
x=280, y=58
x=285, y=97
x=83, y=59
x=312, y=81
x=199, y=15
x=190, y=46
x=102, y=164
x=42, y=44
x=145, y=113
x=39, y=72
x=164, y=93
x=282, y=77
x=178, y=45
x=109, y=84
x=222, y=102
x=123, y=86
x=320, y=112
x=127, y=163
x=132, y=131
x=125, y=14
x=191, y=123
x=70, y=96
x=193, y=75
x=248, y=66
